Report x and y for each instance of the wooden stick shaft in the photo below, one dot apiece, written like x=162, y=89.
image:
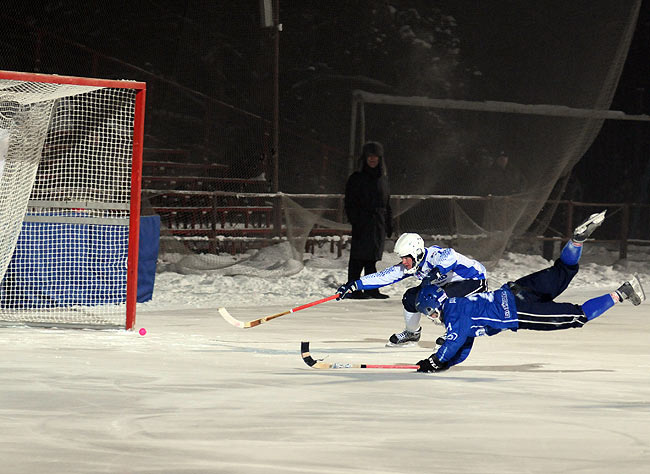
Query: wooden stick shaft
x=257, y=322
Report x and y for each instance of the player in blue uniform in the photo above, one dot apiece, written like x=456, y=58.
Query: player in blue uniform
x=524, y=304
x=457, y=274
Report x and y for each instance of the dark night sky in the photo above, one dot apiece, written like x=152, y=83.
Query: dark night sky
x=171, y=38
x=636, y=72
x=134, y=34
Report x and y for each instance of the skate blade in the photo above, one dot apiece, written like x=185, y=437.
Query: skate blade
x=595, y=219
x=403, y=344
x=639, y=294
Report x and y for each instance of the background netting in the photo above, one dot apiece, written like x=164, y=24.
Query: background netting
x=212, y=172
x=532, y=80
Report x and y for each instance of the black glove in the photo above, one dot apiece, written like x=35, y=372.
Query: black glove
x=346, y=290
x=432, y=364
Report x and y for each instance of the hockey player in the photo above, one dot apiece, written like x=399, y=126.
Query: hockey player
x=443, y=267
x=524, y=304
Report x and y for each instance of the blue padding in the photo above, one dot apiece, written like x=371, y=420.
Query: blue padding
x=62, y=265
x=56, y=265
x=597, y=306
x=148, y=256
x=571, y=253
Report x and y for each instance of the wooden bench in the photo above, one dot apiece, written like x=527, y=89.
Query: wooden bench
x=200, y=182
x=200, y=215
x=158, y=167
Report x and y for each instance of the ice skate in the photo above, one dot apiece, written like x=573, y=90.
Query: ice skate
x=584, y=230
x=632, y=290
x=404, y=338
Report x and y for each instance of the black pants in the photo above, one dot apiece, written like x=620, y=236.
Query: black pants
x=354, y=273
x=534, y=296
x=355, y=266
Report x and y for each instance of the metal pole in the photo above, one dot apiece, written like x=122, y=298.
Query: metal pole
x=277, y=27
x=353, y=135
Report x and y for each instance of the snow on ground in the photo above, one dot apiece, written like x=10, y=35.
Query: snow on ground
x=196, y=395
x=324, y=273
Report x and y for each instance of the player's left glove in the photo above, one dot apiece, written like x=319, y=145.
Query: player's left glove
x=346, y=290
x=432, y=364
x=432, y=277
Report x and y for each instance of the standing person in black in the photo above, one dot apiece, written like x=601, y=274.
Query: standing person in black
x=367, y=205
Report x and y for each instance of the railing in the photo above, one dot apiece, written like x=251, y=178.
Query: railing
x=626, y=223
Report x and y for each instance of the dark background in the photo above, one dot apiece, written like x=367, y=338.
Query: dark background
x=193, y=53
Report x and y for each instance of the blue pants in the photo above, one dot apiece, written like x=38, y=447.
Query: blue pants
x=456, y=288
x=534, y=295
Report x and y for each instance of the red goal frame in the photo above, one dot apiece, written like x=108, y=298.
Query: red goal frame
x=136, y=166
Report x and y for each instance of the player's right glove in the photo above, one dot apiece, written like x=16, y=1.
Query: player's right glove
x=346, y=290
x=432, y=364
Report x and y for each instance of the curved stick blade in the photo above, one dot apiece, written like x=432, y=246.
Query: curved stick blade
x=317, y=364
x=235, y=322
x=306, y=356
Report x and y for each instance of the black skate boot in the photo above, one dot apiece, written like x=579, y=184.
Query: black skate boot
x=404, y=338
x=584, y=230
x=376, y=295
x=632, y=290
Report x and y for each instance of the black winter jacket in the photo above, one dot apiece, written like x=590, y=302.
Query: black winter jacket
x=367, y=205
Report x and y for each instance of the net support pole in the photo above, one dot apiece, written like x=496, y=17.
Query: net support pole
x=277, y=202
x=134, y=214
x=353, y=134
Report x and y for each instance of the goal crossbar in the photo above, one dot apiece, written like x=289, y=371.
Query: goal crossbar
x=496, y=106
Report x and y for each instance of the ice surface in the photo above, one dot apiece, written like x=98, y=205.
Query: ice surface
x=196, y=395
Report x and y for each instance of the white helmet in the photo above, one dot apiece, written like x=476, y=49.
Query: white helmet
x=410, y=245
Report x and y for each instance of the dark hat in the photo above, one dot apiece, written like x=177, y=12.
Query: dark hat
x=372, y=148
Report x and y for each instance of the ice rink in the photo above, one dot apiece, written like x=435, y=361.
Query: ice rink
x=196, y=395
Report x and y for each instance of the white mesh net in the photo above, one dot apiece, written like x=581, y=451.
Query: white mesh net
x=64, y=203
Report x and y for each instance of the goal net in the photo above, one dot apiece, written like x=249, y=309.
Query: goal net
x=69, y=207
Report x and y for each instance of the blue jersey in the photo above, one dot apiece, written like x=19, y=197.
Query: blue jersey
x=439, y=267
x=482, y=314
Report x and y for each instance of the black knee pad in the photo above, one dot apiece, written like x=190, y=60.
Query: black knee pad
x=410, y=298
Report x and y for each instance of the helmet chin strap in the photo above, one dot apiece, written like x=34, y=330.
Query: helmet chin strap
x=411, y=270
x=435, y=317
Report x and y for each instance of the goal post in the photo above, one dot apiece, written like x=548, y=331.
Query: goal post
x=70, y=174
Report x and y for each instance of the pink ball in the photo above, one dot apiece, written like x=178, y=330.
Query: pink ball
x=142, y=331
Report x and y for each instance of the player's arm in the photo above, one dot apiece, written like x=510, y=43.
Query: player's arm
x=446, y=261
x=383, y=278
x=462, y=353
x=454, y=350
x=375, y=280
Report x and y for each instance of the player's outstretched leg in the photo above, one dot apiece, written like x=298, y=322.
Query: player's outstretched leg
x=572, y=251
x=630, y=290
